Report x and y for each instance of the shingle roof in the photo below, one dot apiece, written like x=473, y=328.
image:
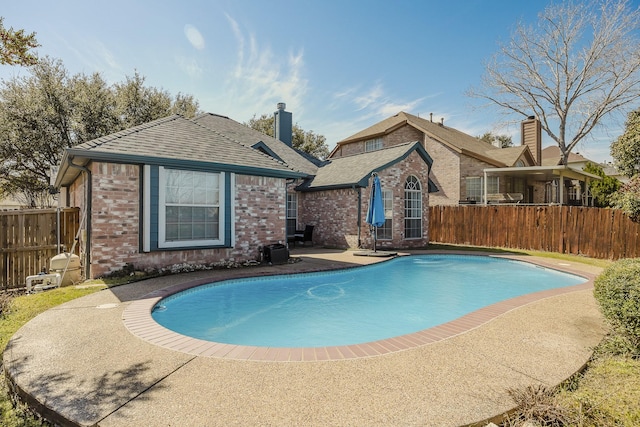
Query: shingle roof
x=175, y=141
x=453, y=138
x=295, y=159
x=551, y=156
x=355, y=170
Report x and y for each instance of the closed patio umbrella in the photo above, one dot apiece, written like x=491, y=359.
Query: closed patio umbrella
x=375, y=214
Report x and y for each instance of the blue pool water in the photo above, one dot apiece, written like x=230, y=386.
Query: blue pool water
x=354, y=305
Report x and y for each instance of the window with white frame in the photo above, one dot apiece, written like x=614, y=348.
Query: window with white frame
x=493, y=185
x=386, y=231
x=373, y=144
x=474, y=188
x=292, y=213
x=190, y=211
x=412, y=208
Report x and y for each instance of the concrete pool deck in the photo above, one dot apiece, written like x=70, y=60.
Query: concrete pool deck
x=83, y=363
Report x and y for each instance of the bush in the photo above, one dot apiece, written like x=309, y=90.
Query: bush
x=627, y=198
x=617, y=290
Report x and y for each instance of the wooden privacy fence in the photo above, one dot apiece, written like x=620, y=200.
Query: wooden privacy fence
x=28, y=240
x=592, y=232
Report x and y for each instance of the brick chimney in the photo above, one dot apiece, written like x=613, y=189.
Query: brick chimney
x=283, y=124
x=531, y=134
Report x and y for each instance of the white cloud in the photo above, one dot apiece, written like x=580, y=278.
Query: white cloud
x=194, y=36
x=189, y=66
x=260, y=79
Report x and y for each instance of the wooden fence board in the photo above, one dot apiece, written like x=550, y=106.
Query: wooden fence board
x=592, y=232
x=28, y=240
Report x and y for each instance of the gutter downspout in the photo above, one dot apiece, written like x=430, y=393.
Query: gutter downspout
x=87, y=252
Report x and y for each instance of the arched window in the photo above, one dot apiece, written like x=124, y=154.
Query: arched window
x=412, y=208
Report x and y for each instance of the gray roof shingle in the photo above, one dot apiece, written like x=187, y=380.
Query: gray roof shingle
x=295, y=159
x=176, y=141
x=355, y=170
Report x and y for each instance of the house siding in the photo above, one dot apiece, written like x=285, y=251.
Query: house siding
x=334, y=213
x=116, y=224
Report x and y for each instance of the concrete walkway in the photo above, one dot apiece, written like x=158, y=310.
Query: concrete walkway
x=80, y=365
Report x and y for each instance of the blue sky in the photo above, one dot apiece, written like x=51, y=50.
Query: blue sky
x=340, y=66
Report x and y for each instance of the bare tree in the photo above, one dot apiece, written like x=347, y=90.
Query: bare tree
x=579, y=64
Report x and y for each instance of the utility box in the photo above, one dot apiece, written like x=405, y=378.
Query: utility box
x=58, y=264
x=276, y=254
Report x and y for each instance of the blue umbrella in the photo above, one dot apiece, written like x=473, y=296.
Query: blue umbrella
x=375, y=214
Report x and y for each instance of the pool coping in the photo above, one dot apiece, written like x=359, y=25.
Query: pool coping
x=138, y=320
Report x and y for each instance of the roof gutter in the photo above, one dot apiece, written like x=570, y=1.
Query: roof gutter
x=87, y=249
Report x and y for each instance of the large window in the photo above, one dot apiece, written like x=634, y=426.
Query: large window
x=190, y=210
x=474, y=188
x=412, y=208
x=292, y=213
x=493, y=185
x=373, y=144
x=386, y=231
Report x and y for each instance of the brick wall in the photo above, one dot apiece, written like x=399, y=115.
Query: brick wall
x=334, y=213
x=116, y=221
x=115, y=217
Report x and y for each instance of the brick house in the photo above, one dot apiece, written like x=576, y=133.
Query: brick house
x=469, y=170
x=209, y=189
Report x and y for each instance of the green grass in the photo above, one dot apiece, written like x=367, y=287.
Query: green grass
x=607, y=393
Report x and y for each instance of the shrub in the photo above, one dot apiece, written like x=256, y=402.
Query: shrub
x=537, y=406
x=627, y=198
x=617, y=290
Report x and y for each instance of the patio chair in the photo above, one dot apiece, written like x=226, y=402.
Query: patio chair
x=304, y=236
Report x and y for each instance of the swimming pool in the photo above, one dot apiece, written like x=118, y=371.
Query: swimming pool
x=354, y=305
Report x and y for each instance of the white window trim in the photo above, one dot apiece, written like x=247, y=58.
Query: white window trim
x=420, y=209
x=373, y=145
x=162, y=243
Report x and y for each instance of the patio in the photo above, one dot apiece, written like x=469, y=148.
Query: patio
x=81, y=366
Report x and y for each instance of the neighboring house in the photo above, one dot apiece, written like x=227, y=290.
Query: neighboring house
x=209, y=189
x=467, y=169
x=9, y=203
x=459, y=159
x=551, y=156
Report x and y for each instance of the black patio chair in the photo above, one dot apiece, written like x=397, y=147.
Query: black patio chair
x=304, y=236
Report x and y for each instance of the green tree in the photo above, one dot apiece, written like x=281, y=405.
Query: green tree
x=500, y=141
x=603, y=189
x=48, y=111
x=15, y=46
x=628, y=198
x=35, y=124
x=626, y=149
x=137, y=104
x=305, y=141
x=576, y=66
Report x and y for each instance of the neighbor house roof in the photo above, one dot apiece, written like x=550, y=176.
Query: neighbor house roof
x=355, y=170
x=551, y=156
x=448, y=136
x=176, y=142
